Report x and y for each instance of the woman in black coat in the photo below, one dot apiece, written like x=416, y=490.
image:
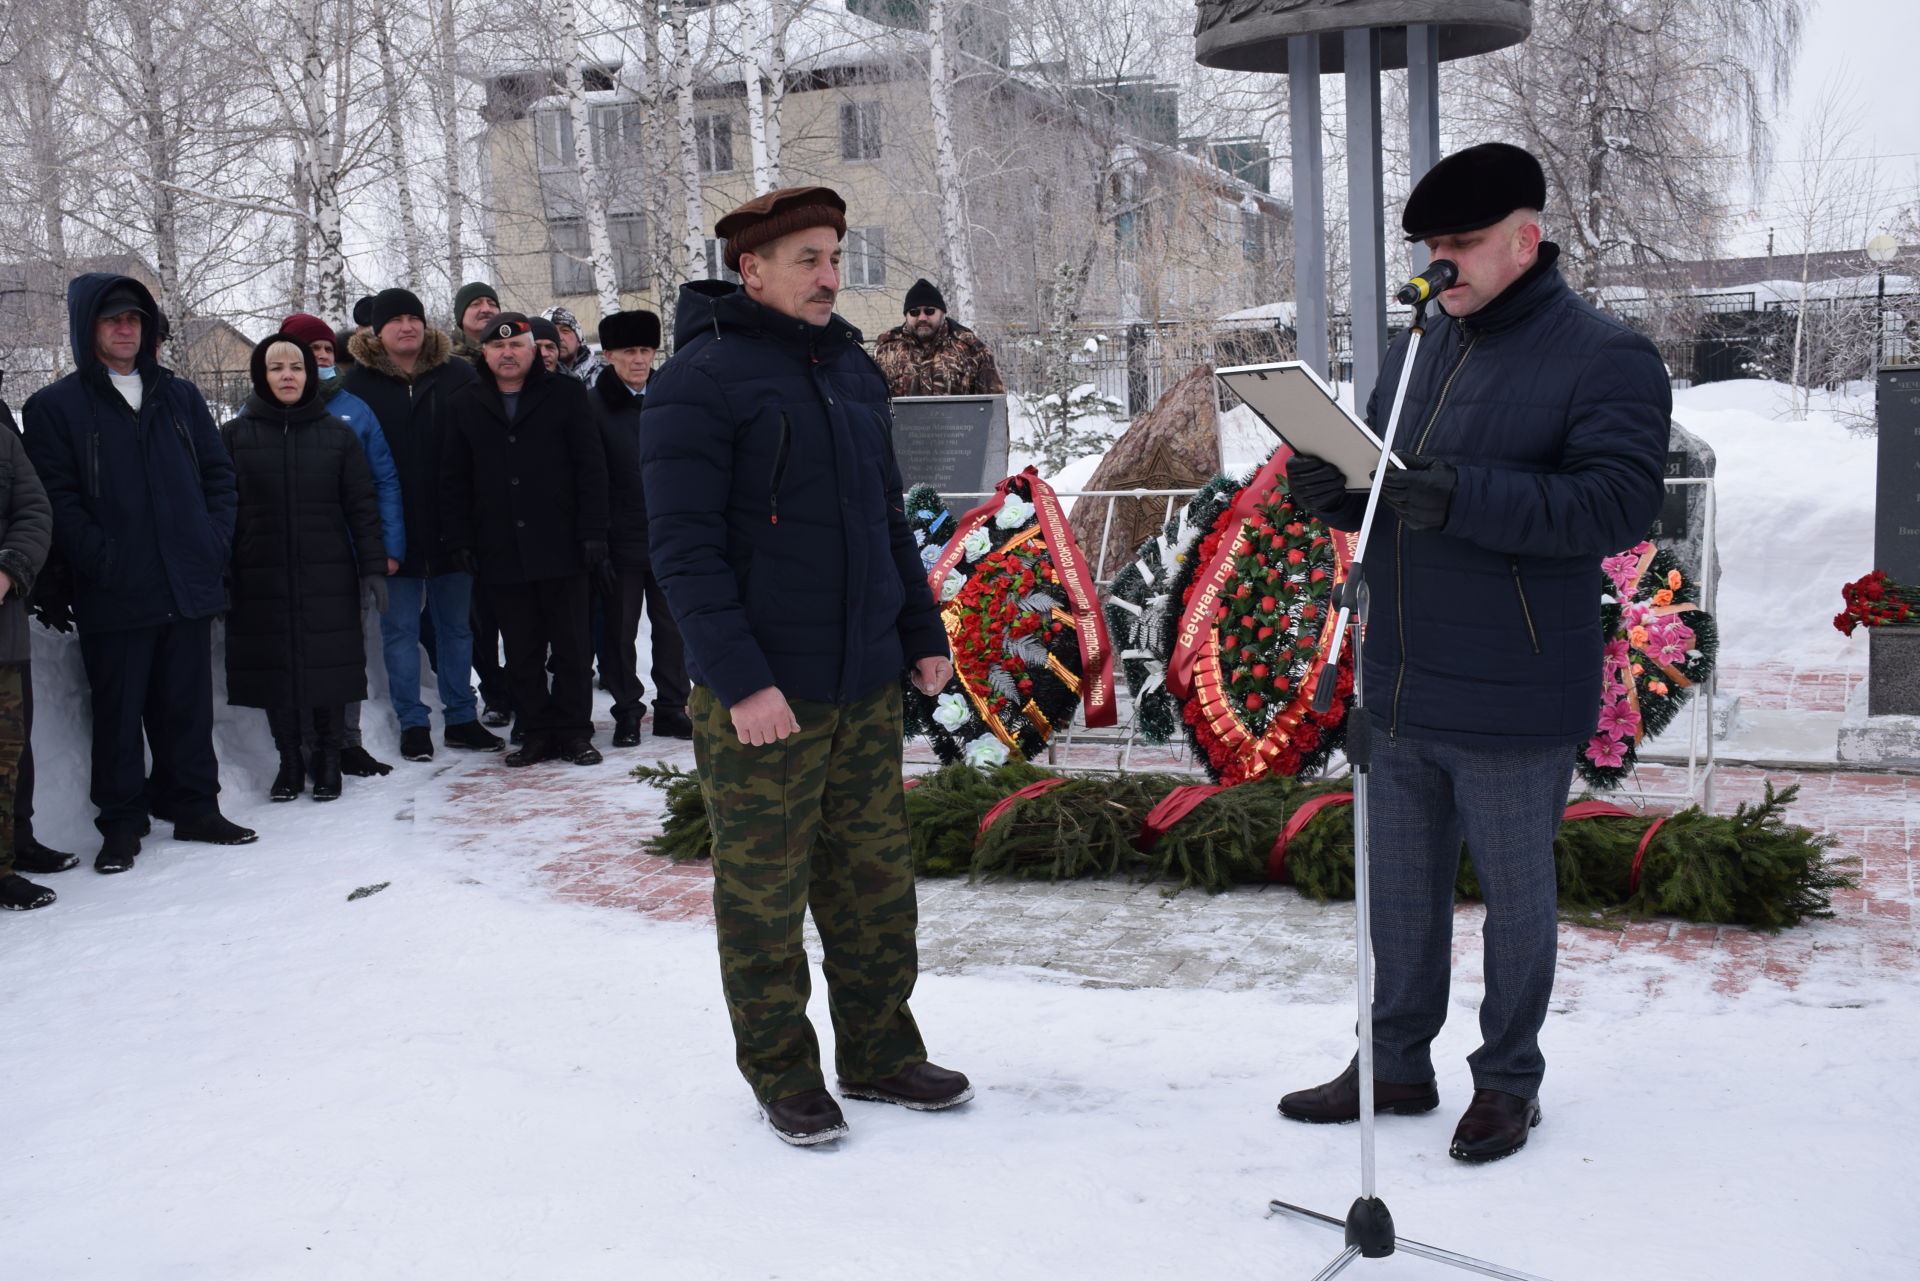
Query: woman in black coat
x=307, y=540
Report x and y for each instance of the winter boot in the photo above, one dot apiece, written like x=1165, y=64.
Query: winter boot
x=29, y=855
x=416, y=743
x=671, y=723
x=580, y=751
x=326, y=754
x=356, y=760
x=116, y=853
x=470, y=735
x=18, y=894
x=922, y=1086
x=292, y=778
x=626, y=729
x=212, y=828
x=537, y=748
x=806, y=1118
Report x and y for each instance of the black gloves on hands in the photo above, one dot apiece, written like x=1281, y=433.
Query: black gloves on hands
x=1420, y=492
x=464, y=561
x=600, y=571
x=376, y=585
x=1315, y=483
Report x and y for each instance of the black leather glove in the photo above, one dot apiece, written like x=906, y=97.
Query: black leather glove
x=1420, y=492
x=57, y=614
x=464, y=560
x=1315, y=483
x=600, y=571
x=376, y=585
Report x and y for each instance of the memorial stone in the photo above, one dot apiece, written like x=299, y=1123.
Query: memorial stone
x=1893, y=664
x=1681, y=527
x=957, y=444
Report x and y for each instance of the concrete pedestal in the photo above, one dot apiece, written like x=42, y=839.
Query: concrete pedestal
x=1884, y=727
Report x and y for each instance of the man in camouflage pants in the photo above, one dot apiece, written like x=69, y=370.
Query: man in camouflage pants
x=931, y=354
x=775, y=517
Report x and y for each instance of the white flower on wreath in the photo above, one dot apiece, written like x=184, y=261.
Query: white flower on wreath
x=951, y=588
x=986, y=752
x=977, y=544
x=930, y=553
x=950, y=711
x=1014, y=513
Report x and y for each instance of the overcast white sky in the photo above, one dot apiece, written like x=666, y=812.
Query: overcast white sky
x=1865, y=51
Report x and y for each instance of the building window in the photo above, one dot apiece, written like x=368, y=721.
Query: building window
x=860, y=130
x=717, y=268
x=571, y=269
x=863, y=259
x=616, y=132
x=713, y=137
x=554, y=131
x=1253, y=238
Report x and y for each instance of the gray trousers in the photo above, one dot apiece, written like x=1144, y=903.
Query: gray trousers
x=1423, y=798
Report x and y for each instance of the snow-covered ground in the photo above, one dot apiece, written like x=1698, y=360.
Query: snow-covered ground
x=220, y=1067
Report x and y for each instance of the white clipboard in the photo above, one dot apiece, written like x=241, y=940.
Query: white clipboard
x=1298, y=407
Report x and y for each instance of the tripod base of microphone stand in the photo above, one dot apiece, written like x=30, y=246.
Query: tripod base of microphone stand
x=1363, y=1228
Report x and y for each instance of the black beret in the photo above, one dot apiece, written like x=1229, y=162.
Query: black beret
x=1472, y=189
x=629, y=329
x=390, y=303
x=924, y=294
x=508, y=324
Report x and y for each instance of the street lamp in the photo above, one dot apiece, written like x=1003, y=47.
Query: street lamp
x=1881, y=249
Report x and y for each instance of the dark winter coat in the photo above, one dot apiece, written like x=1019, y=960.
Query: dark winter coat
x=412, y=413
x=357, y=414
x=1555, y=418
x=26, y=536
x=524, y=495
x=617, y=412
x=309, y=531
x=143, y=504
x=774, y=506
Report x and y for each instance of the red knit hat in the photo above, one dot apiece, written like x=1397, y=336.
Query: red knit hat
x=765, y=219
x=308, y=329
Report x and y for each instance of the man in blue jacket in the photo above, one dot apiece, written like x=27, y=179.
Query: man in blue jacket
x=357, y=414
x=775, y=517
x=1534, y=433
x=143, y=511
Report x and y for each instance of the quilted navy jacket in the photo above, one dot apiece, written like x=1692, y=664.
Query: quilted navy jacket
x=774, y=506
x=1555, y=417
x=143, y=504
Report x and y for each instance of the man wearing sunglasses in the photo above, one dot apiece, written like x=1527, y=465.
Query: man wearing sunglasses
x=931, y=355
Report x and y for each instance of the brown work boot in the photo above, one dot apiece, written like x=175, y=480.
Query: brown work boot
x=1495, y=1124
x=923, y=1087
x=806, y=1118
x=1339, y=1099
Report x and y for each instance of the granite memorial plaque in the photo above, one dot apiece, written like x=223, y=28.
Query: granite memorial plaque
x=957, y=444
x=1896, y=511
x=1681, y=526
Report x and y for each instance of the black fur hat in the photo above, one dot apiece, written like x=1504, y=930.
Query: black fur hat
x=629, y=329
x=1472, y=189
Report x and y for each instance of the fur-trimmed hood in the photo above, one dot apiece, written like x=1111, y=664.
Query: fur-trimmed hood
x=368, y=350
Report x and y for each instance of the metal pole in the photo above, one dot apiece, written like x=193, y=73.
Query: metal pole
x=1309, y=204
x=1367, y=277
x=1423, y=113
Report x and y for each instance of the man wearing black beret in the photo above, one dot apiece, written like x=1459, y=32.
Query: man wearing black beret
x=629, y=340
x=1534, y=433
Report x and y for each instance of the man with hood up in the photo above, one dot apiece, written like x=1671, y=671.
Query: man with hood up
x=143, y=511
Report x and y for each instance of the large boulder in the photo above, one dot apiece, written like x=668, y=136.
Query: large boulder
x=1174, y=445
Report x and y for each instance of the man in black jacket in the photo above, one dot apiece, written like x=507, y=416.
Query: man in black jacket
x=776, y=519
x=629, y=341
x=524, y=505
x=1534, y=433
x=407, y=373
x=143, y=511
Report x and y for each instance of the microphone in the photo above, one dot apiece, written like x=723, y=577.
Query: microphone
x=1440, y=275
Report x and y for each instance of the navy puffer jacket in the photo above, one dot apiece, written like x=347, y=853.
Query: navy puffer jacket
x=143, y=504
x=774, y=506
x=1555, y=417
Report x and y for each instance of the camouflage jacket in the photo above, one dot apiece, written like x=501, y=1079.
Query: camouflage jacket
x=955, y=363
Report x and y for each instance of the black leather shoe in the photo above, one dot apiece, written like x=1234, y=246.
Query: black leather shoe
x=494, y=717
x=536, y=749
x=469, y=735
x=213, y=828
x=359, y=762
x=31, y=856
x=18, y=894
x=923, y=1087
x=579, y=751
x=668, y=724
x=116, y=853
x=806, y=1118
x=1339, y=1099
x=626, y=730
x=1496, y=1124
x=416, y=744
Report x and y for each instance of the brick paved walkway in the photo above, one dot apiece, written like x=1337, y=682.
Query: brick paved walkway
x=584, y=829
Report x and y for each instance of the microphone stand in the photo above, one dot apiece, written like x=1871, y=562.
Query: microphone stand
x=1369, y=1225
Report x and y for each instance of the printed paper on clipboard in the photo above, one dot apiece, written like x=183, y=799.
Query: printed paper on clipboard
x=1291, y=399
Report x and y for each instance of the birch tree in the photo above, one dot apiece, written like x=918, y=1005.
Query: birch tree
x=400, y=155
x=693, y=227
x=956, y=250
x=593, y=204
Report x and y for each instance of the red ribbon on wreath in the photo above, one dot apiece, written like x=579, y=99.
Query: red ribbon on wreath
x=1012, y=799
x=1089, y=625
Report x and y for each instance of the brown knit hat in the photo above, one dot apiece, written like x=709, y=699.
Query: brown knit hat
x=767, y=218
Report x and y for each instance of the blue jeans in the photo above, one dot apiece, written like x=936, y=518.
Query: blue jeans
x=447, y=598
x=1423, y=797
